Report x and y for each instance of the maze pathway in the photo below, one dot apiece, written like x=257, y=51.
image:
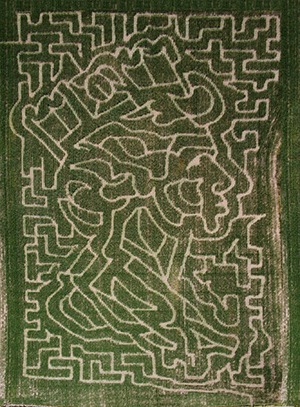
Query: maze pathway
x=149, y=203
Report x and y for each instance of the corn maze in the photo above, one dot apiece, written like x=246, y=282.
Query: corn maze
x=144, y=164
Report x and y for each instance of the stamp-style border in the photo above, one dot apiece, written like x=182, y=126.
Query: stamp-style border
x=289, y=188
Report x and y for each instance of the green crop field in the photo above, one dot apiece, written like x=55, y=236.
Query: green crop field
x=149, y=200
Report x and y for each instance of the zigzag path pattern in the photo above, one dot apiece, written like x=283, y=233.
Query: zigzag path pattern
x=141, y=137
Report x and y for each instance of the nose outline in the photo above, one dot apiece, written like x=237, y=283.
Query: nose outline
x=219, y=188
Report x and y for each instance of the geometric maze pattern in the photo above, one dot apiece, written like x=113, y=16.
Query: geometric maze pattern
x=139, y=137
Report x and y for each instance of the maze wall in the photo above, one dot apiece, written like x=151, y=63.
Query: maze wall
x=144, y=216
